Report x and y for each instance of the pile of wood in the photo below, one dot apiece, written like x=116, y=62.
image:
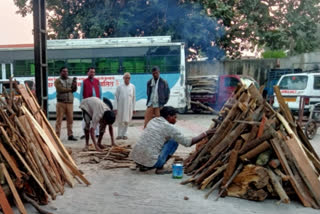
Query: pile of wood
x=34, y=164
x=111, y=158
x=203, y=84
x=256, y=153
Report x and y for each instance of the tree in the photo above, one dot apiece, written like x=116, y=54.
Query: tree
x=209, y=27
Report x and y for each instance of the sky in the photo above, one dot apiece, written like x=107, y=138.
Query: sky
x=15, y=29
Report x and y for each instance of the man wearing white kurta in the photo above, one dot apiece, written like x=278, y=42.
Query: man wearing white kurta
x=124, y=105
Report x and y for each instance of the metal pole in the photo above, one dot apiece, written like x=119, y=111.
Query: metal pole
x=40, y=56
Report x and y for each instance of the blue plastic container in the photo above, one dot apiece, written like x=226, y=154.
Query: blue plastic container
x=177, y=170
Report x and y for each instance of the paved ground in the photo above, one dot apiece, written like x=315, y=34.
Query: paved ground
x=127, y=191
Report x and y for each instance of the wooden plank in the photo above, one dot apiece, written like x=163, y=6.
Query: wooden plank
x=305, y=169
x=75, y=171
x=49, y=130
x=297, y=186
x=261, y=127
x=10, y=161
x=13, y=189
x=24, y=162
x=69, y=177
x=283, y=106
x=45, y=149
x=5, y=206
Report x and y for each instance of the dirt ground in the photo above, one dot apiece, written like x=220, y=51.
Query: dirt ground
x=128, y=191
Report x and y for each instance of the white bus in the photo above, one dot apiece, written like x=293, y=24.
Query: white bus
x=111, y=57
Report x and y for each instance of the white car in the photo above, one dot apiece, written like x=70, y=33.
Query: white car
x=293, y=86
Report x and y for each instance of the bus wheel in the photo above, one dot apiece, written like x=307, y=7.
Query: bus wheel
x=311, y=129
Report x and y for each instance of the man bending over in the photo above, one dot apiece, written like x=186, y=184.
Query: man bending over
x=95, y=112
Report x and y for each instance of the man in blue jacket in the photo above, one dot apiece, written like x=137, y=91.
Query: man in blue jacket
x=158, y=95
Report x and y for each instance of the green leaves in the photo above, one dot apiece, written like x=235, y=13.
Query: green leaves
x=211, y=27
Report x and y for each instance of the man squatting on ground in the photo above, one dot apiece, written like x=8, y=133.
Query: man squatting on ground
x=90, y=87
x=65, y=87
x=159, y=141
x=158, y=95
x=95, y=112
x=124, y=104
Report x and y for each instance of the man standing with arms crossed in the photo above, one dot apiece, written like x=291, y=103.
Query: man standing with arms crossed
x=158, y=95
x=65, y=87
x=90, y=87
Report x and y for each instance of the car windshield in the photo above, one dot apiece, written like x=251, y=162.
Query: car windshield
x=247, y=82
x=294, y=82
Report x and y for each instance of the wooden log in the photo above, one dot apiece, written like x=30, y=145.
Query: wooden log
x=24, y=163
x=55, y=153
x=303, y=195
x=253, y=92
x=256, y=151
x=282, y=176
x=31, y=133
x=34, y=204
x=206, y=181
x=232, y=163
x=10, y=161
x=75, y=170
x=215, y=186
x=283, y=106
x=13, y=190
x=49, y=131
x=43, y=171
x=208, y=108
x=261, y=127
x=214, y=140
x=249, y=183
x=235, y=173
x=254, y=143
x=207, y=172
x=5, y=206
x=278, y=187
x=306, y=142
x=305, y=169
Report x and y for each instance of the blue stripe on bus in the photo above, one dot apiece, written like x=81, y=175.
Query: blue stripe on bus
x=139, y=81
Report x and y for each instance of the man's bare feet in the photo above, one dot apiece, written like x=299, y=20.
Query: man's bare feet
x=98, y=148
x=102, y=146
x=85, y=149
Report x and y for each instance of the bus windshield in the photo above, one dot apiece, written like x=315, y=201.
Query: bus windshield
x=294, y=82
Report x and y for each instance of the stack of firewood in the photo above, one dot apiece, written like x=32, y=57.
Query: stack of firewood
x=203, y=84
x=256, y=153
x=34, y=164
x=112, y=157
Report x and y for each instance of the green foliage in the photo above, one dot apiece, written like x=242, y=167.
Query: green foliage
x=274, y=54
x=205, y=25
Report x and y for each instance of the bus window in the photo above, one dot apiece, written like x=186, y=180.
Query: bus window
x=8, y=71
x=294, y=82
x=106, y=65
x=158, y=61
x=133, y=65
x=172, y=64
x=23, y=68
x=78, y=66
x=54, y=67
